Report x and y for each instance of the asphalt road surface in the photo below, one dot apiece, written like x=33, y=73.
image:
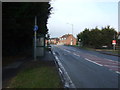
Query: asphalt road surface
x=89, y=69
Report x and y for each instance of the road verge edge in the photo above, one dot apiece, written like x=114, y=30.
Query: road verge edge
x=63, y=74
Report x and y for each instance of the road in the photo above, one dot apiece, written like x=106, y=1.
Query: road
x=89, y=69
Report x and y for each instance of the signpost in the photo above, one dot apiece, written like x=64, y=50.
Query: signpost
x=35, y=29
x=114, y=43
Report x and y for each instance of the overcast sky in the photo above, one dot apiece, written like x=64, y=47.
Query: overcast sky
x=82, y=14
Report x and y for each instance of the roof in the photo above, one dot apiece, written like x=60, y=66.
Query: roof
x=66, y=35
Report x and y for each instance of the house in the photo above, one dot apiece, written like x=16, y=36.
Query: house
x=67, y=39
x=54, y=40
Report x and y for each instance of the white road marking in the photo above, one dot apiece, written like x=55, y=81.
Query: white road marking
x=66, y=50
x=54, y=53
x=68, y=82
x=60, y=71
x=110, y=66
x=74, y=50
x=56, y=58
x=76, y=54
x=93, y=62
x=117, y=72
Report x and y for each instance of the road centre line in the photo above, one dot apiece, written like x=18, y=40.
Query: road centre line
x=76, y=54
x=71, y=52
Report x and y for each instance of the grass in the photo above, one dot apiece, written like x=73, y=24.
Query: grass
x=37, y=75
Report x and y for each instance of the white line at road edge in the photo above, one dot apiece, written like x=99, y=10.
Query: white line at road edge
x=68, y=81
x=93, y=62
x=117, y=72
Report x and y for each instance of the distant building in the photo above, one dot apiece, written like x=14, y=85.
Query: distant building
x=54, y=40
x=67, y=39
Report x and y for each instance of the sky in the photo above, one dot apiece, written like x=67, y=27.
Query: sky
x=82, y=14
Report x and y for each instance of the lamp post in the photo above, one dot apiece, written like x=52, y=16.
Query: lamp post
x=72, y=33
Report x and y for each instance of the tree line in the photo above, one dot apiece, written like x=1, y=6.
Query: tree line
x=96, y=38
x=18, y=19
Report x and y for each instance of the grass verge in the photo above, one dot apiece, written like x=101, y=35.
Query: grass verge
x=37, y=75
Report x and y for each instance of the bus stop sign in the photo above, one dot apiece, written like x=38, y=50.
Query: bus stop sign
x=35, y=28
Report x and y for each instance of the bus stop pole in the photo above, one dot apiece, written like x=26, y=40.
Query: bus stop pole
x=35, y=39
x=35, y=45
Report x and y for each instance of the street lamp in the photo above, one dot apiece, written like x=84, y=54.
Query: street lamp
x=72, y=32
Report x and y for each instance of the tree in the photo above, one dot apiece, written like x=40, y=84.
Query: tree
x=96, y=38
x=18, y=24
x=108, y=35
x=84, y=36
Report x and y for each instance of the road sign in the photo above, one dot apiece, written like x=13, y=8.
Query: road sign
x=113, y=42
x=35, y=28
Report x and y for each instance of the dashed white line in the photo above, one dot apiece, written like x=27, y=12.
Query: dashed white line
x=53, y=53
x=56, y=58
x=71, y=52
x=76, y=54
